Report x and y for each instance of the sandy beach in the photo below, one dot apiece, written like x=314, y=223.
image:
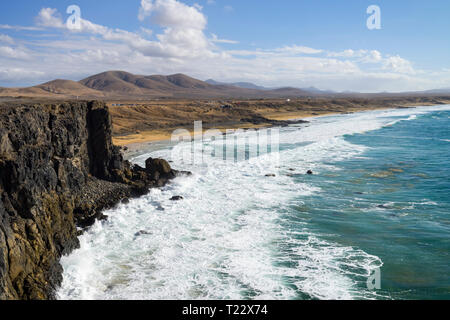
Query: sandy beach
x=153, y=121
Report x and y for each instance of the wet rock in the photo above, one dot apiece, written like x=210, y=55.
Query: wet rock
x=183, y=173
x=102, y=217
x=309, y=172
x=157, y=165
x=176, y=198
x=142, y=233
x=270, y=175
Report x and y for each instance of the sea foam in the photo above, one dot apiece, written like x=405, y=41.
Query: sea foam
x=227, y=239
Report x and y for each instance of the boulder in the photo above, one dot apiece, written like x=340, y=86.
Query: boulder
x=142, y=233
x=157, y=165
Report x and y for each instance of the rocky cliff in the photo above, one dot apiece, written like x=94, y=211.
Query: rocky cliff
x=58, y=171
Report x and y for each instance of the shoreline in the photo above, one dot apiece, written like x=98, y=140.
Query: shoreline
x=132, y=145
x=155, y=136
x=155, y=121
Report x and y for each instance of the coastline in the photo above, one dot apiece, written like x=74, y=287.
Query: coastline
x=155, y=136
x=84, y=173
x=154, y=121
x=336, y=198
x=132, y=145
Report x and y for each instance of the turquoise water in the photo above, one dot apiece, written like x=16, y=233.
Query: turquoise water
x=393, y=200
x=258, y=227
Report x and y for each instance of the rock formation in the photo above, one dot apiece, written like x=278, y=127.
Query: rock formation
x=58, y=171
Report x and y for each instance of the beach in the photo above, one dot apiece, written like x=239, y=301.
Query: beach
x=137, y=122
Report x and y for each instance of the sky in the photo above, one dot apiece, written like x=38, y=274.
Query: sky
x=300, y=43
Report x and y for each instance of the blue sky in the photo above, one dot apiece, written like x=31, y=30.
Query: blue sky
x=273, y=43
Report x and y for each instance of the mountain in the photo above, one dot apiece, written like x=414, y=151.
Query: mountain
x=55, y=88
x=113, y=81
x=124, y=85
x=245, y=85
x=120, y=81
x=178, y=85
x=68, y=87
x=290, y=92
x=249, y=85
x=318, y=91
x=439, y=91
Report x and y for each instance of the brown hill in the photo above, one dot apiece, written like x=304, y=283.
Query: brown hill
x=53, y=89
x=68, y=87
x=125, y=85
x=121, y=85
x=187, y=82
x=291, y=92
x=118, y=83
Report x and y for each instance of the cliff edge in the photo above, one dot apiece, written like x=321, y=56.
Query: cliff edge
x=58, y=171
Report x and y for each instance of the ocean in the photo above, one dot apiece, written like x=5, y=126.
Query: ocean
x=372, y=222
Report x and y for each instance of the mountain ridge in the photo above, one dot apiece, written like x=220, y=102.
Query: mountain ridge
x=118, y=84
x=122, y=84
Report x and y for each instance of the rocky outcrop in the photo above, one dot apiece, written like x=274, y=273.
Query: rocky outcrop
x=58, y=170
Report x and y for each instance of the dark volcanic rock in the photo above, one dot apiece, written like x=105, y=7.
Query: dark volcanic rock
x=309, y=172
x=176, y=198
x=257, y=119
x=141, y=233
x=58, y=170
x=159, y=169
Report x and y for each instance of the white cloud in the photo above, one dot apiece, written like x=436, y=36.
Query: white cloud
x=19, y=28
x=183, y=34
x=366, y=56
x=398, y=64
x=146, y=31
x=216, y=39
x=6, y=39
x=49, y=17
x=19, y=74
x=13, y=53
x=373, y=56
x=346, y=53
x=298, y=50
x=198, y=6
x=145, y=9
x=172, y=14
x=182, y=46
